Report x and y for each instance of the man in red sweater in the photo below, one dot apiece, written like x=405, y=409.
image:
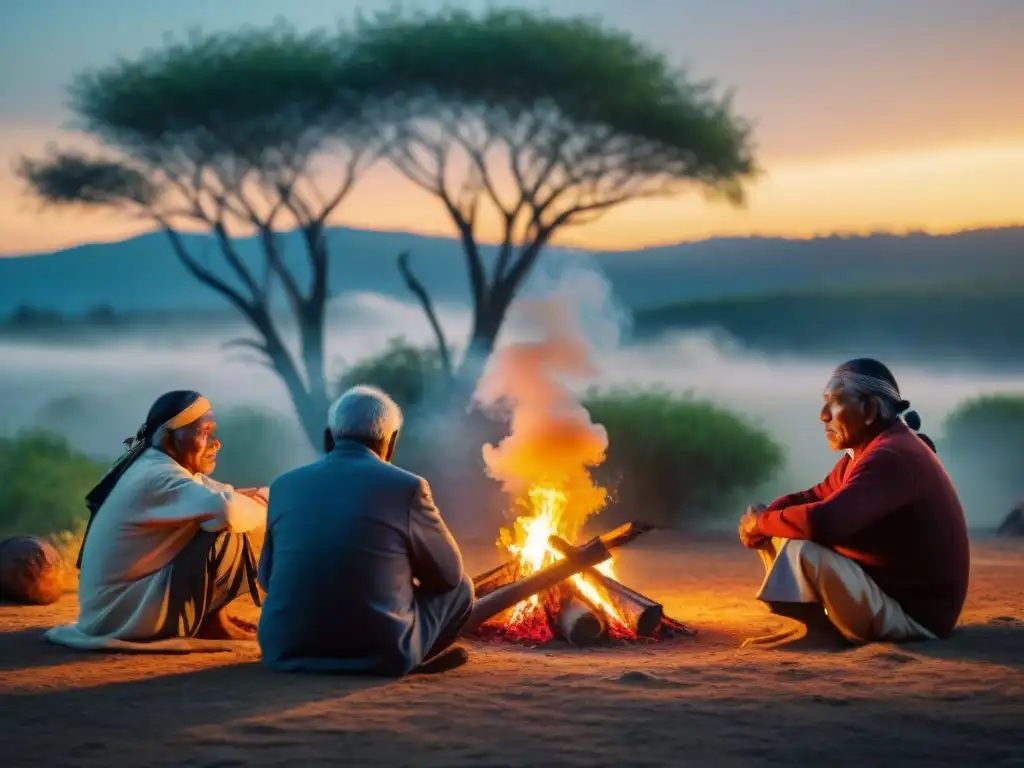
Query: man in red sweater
x=879, y=547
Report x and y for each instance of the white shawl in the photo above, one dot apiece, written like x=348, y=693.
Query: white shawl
x=148, y=518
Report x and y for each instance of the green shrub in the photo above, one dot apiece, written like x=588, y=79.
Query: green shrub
x=982, y=446
x=43, y=483
x=675, y=459
x=997, y=417
x=257, y=445
x=408, y=373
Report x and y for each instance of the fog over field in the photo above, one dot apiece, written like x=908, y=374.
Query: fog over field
x=123, y=377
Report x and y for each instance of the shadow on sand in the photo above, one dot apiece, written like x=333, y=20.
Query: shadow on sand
x=997, y=642
x=237, y=691
x=26, y=649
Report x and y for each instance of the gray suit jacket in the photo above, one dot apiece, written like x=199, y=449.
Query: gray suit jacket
x=346, y=536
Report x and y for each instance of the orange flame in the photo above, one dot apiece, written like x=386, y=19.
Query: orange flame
x=528, y=541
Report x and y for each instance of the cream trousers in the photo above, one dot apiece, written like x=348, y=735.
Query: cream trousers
x=805, y=572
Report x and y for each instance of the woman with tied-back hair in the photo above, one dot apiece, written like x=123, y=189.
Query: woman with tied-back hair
x=879, y=549
x=166, y=548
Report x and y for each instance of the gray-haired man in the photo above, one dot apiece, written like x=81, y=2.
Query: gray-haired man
x=361, y=573
x=879, y=549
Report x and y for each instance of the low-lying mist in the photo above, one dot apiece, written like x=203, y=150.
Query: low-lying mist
x=121, y=376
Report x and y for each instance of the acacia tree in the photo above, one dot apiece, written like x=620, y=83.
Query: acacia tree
x=222, y=132
x=548, y=122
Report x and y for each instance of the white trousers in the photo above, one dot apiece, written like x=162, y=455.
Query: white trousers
x=805, y=572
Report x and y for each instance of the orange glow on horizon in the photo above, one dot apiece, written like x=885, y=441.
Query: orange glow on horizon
x=937, y=190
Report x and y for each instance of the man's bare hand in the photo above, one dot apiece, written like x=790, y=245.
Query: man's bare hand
x=750, y=536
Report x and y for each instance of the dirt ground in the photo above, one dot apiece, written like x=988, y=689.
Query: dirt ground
x=697, y=701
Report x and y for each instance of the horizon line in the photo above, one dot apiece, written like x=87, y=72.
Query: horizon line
x=901, y=232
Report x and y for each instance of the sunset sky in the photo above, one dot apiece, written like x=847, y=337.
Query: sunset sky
x=869, y=114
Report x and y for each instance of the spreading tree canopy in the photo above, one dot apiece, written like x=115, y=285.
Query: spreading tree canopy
x=223, y=131
x=548, y=121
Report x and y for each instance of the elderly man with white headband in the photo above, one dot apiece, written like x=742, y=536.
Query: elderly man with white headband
x=361, y=573
x=166, y=547
x=878, y=551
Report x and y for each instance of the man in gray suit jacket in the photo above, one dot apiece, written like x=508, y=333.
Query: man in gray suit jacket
x=361, y=573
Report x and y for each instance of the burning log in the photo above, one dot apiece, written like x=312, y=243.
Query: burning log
x=639, y=613
x=623, y=534
x=578, y=622
x=501, y=576
x=595, y=551
x=508, y=571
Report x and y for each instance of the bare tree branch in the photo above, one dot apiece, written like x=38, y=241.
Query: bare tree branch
x=417, y=288
x=251, y=344
x=202, y=274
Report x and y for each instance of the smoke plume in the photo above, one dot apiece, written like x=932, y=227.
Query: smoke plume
x=552, y=441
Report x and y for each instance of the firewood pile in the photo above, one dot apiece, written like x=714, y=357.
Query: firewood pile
x=583, y=608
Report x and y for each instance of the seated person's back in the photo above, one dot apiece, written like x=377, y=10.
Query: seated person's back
x=346, y=537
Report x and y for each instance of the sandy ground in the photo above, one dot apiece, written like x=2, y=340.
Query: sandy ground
x=699, y=701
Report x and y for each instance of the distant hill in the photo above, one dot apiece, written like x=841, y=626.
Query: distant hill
x=143, y=274
x=955, y=323
x=724, y=267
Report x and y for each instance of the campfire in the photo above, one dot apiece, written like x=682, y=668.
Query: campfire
x=589, y=607
x=551, y=588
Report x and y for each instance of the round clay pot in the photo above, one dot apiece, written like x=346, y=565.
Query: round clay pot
x=31, y=571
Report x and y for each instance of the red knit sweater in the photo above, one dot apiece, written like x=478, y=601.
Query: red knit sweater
x=894, y=511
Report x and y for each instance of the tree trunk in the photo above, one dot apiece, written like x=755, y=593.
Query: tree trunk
x=309, y=396
x=311, y=315
x=312, y=412
x=487, y=322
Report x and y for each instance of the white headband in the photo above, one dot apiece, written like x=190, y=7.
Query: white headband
x=193, y=413
x=190, y=414
x=870, y=384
